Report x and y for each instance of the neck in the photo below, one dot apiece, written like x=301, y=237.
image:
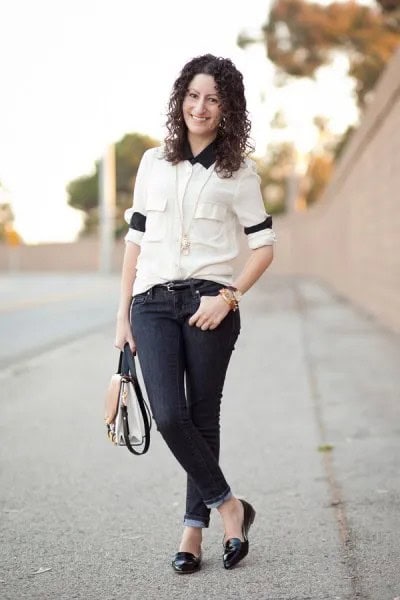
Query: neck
x=197, y=144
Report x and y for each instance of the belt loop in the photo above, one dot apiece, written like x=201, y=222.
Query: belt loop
x=192, y=287
x=194, y=284
x=151, y=292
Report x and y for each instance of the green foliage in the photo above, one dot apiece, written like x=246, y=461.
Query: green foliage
x=302, y=36
x=6, y=214
x=274, y=170
x=283, y=167
x=320, y=163
x=318, y=175
x=341, y=144
x=6, y=218
x=83, y=192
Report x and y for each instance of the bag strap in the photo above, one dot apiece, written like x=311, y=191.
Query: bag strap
x=127, y=366
x=127, y=360
x=119, y=370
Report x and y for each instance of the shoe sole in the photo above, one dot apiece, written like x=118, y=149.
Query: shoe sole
x=186, y=572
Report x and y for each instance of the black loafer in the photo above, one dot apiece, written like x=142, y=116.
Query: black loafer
x=234, y=548
x=185, y=562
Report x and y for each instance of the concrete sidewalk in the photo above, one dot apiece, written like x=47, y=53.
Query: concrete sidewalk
x=309, y=373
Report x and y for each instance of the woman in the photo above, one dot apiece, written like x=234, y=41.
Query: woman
x=190, y=198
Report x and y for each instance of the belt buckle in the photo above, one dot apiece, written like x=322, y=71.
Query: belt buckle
x=170, y=286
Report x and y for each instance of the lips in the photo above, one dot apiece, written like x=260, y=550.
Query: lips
x=199, y=119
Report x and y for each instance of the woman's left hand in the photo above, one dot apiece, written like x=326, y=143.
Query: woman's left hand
x=212, y=310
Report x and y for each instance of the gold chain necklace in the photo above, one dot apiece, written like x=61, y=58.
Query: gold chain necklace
x=185, y=238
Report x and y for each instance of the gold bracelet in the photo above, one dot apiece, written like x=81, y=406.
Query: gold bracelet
x=237, y=293
x=229, y=297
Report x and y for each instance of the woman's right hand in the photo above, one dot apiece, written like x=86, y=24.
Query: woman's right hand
x=123, y=334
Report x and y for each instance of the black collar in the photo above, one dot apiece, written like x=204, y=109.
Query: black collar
x=206, y=157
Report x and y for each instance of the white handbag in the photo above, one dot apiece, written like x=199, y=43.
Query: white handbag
x=127, y=417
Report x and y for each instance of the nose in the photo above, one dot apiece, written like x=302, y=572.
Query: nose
x=200, y=107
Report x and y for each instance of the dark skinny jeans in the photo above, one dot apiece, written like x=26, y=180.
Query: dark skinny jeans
x=184, y=371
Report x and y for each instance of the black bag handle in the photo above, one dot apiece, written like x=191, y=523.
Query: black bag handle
x=127, y=368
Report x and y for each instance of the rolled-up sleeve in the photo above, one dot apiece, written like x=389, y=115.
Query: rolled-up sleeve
x=136, y=215
x=250, y=210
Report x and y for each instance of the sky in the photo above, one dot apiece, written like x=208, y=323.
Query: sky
x=78, y=75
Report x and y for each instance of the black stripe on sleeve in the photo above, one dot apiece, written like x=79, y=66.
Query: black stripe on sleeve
x=138, y=222
x=267, y=224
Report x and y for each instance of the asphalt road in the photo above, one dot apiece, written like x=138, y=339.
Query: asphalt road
x=82, y=519
x=41, y=311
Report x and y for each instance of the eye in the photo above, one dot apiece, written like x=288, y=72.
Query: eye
x=192, y=95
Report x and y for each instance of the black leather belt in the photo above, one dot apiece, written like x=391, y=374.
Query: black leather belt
x=182, y=284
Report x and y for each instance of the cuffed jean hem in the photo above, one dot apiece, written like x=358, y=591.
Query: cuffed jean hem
x=194, y=523
x=218, y=501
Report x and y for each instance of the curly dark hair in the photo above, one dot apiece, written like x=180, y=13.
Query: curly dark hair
x=232, y=141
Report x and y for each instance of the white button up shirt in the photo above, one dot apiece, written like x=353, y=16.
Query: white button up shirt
x=173, y=200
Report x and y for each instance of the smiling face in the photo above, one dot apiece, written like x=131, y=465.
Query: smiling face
x=201, y=108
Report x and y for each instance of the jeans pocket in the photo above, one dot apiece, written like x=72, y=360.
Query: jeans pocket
x=210, y=289
x=140, y=298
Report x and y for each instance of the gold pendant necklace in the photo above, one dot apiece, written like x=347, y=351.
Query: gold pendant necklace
x=185, y=244
x=185, y=238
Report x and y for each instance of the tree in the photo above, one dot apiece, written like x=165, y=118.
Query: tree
x=320, y=162
x=317, y=177
x=83, y=192
x=7, y=232
x=6, y=219
x=302, y=36
x=274, y=170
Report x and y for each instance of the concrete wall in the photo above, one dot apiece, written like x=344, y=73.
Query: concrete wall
x=351, y=238
x=81, y=256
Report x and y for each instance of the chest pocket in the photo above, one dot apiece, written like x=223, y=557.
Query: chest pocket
x=209, y=223
x=156, y=221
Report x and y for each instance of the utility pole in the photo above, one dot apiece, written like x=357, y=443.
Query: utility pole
x=107, y=209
